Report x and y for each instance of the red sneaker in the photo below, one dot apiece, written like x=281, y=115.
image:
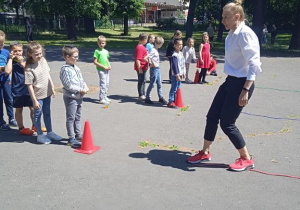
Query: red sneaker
x=172, y=105
x=199, y=157
x=26, y=132
x=242, y=164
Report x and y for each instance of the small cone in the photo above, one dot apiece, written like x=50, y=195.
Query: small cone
x=196, y=77
x=178, y=99
x=87, y=146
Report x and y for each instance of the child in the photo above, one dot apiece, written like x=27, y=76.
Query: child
x=21, y=97
x=170, y=50
x=155, y=76
x=204, y=58
x=150, y=43
x=189, y=54
x=178, y=71
x=212, y=67
x=264, y=34
x=40, y=86
x=5, y=88
x=74, y=90
x=141, y=64
x=103, y=66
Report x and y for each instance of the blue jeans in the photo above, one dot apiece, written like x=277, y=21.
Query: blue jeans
x=174, y=86
x=155, y=78
x=5, y=94
x=141, y=83
x=45, y=109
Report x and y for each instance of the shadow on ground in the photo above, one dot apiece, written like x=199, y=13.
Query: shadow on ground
x=13, y=136
x=168, y=158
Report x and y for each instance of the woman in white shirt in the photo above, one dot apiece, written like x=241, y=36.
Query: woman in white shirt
x=242, y=64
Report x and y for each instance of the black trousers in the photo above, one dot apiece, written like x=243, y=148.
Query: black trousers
x=225, y=109
x=202, y=75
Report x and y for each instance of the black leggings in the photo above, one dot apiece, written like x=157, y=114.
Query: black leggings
x=225, y=108
x=202, y=75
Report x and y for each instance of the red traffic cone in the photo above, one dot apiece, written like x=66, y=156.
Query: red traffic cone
x=178, y=99
x=87, y=146
x=196, y=77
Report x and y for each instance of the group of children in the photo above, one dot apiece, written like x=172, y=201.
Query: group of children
x=31, y=86
x=146, y=55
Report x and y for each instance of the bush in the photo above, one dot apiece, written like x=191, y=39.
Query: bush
x=166, y=23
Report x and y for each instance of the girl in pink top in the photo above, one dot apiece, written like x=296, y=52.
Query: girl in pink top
x=204, y=58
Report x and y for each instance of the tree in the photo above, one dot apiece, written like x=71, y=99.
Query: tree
x=15, y=4
x=221, y=27
x=126, y=9
x=259, y=17
x=295, y=40
x=71, y=9
x=190, y=19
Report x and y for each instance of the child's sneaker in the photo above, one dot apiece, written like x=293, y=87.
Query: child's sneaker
x=148, y=101
x=199, y=157
x=13, y=122
x=26, y=132
x=43, y=129
x=4, y=127
x=188, y=81
x=42, y=139
x=74, y=143
x=163, y=101
x=79, y=137
x=103, y=101
x=53, y=136
x=242, y=164
x=142, y=97
x=172, y=105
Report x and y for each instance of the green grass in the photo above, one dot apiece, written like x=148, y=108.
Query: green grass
x=116, y=41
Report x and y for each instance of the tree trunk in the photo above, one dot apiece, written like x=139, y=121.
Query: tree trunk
x=89, y=25
x=221, y=27
x=71, y=30
x=17, y=14
x=295, y=40
x=190, y=19
x=125, y=25
x=259, y=17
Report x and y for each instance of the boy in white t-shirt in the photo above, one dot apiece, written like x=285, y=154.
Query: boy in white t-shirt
x=155, y=76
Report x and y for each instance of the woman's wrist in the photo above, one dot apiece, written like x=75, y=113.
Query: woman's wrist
x=246, y=89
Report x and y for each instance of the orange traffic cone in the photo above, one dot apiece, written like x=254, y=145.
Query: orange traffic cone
x=178, y=99
x=196, y=77
x=87, y=146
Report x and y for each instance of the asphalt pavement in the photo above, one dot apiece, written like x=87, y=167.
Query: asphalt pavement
x=141, y=163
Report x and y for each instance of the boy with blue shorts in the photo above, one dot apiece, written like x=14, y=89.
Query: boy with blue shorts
x=21, y=97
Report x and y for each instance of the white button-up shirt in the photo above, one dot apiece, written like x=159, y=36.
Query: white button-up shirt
x=242, y=53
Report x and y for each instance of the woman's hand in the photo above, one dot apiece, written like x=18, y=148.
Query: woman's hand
x=243, y=98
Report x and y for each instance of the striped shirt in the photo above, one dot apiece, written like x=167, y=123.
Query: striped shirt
x=38, y=76
x=72, y=80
